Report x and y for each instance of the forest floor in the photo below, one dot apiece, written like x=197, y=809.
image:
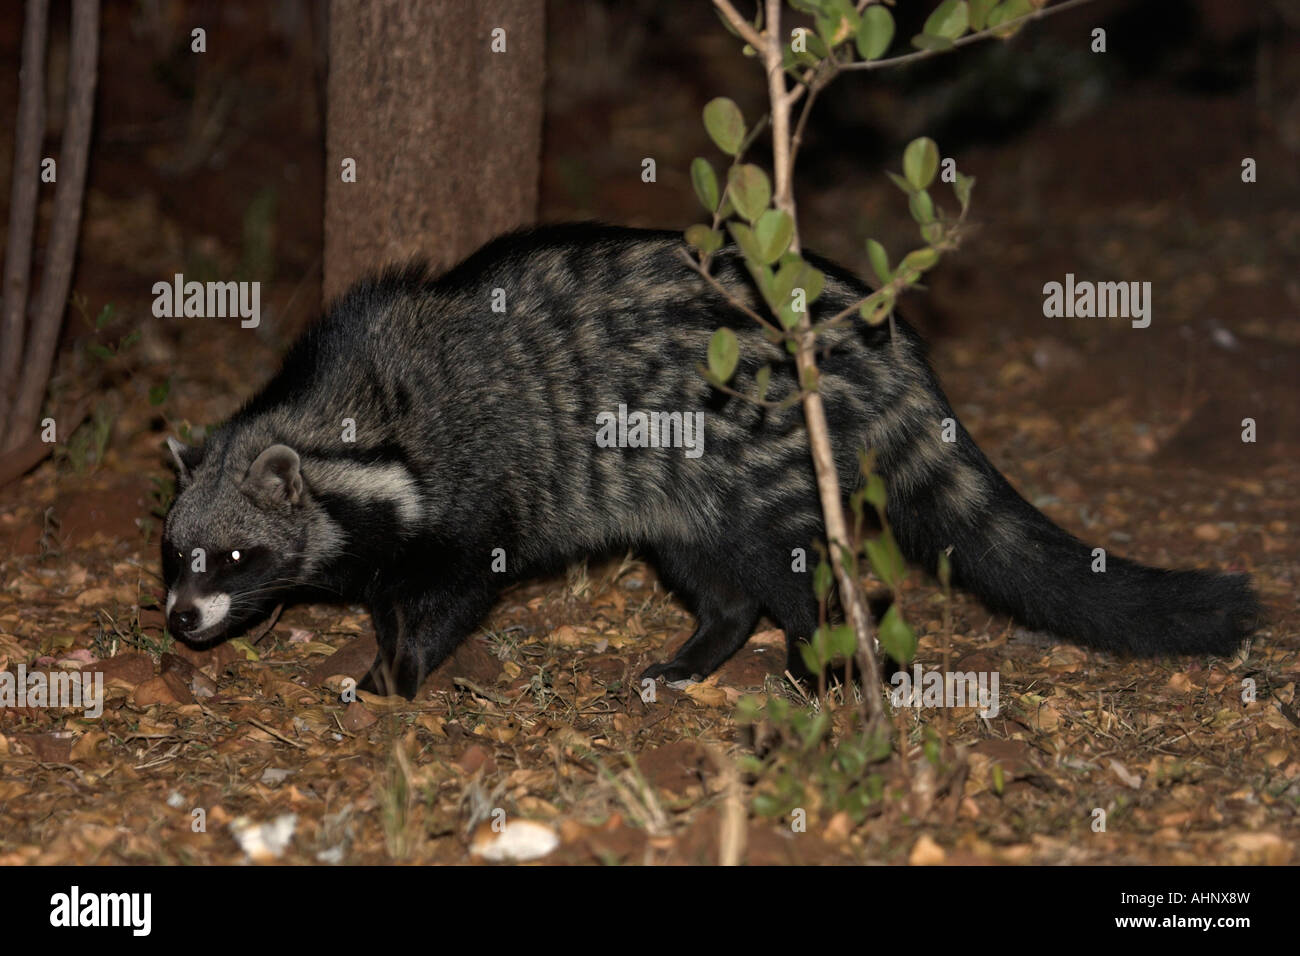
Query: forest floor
x=1130, y=439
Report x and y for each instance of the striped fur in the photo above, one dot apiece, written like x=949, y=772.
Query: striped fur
x=475, y=431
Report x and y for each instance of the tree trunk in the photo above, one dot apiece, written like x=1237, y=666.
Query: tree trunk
x=445, y=132
x=61, y=253
x=28, y=134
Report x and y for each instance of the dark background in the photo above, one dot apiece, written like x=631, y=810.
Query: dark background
x=1118, y=166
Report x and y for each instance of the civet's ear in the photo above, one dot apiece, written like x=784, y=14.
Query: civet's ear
x=274, y=479
x=187, y=458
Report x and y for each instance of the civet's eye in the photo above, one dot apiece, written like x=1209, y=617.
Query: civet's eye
x=234, y=557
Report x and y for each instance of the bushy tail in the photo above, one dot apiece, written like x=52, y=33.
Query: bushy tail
x=1018, y=562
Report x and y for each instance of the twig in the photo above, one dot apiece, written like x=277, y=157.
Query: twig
x=276, y=734
x=265, y=628
x=739, y=23
x=843, y=559
x=733, y=831
x=864, y=65
x=723, y=291
x=814, y=86
x=474, y=688
x=799, y=687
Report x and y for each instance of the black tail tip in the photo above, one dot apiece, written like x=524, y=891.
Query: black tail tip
x=1197, y=612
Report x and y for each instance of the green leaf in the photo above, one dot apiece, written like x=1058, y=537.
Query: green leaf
x=100, y=351
x=945, y=569
x=128, y=340
x=705, y=181
x=879, y=746
x=875, y=32
x=837, y=22
x=875, y=491
x=105, y=316
x=761, y=382
x=929, y=41
x=932, y=232
x=707, y=240
x=724, y=353
x=979, y=13
x=823, y=578
x=749, y=709
x=961, y=188
x=811, y=7
x=158, y=393
x=886, y=560
x=920, y=162
x=921, y=206
x=725, y=124
x=896, y=636
x=810, y=659
x=768, y=805
x=773, y=231
x=764, y=278
x=1006, y=11
x=813, y=282
x=245, y=647
x=817, y=729
x=788, y=318
x=750, y=190
x=901, y=183
x=744, y=237
x=877, y=313
x=919, y=260
x=877, y=254
x=787, y=278
x=726, y=23
x=950, y=20
x=843, y=642
x=821, y=643
x=709, y=376
x=795, y=62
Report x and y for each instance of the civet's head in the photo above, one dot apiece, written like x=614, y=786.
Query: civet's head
x=234, y=539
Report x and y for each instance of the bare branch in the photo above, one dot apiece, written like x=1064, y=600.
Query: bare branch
x=739, y=23
x=843, y=560
x=814, y=86
x=726, y=294
x=779, y=97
